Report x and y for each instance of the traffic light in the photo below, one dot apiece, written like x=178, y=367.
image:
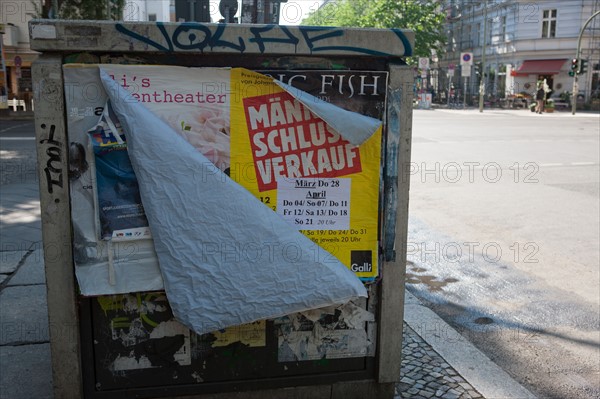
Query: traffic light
x=574, y=65
x=478, y=68
x=582, y=66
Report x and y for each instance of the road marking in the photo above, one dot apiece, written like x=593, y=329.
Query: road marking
x=13, y=127
x=493, y=141
x=16, y=138
x=569, y=164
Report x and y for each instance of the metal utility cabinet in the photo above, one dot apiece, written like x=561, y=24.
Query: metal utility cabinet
x=87, y=331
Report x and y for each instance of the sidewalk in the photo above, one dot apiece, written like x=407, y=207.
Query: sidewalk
x=437, y=361
x=9, y=114
x=25, y=369
x=474, y=110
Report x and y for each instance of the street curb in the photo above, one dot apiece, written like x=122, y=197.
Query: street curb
x=476, y=368
x=518, y=112
x=17, y=118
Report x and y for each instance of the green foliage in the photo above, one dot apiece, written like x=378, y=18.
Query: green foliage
x=422, y=17
x=81, y=9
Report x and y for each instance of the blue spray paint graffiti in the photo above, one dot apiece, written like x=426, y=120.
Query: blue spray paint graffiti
x=260, y=40
x=198, y=36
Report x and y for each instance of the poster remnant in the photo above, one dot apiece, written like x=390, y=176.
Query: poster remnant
x=315, y=204
x=256, y=132
x=329, y=333
x=306, y=171
x=137, y=339
x=251, y=334
x=119, y=207
x=142, y=321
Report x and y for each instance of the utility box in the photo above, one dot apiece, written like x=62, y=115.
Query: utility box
x=271, y=113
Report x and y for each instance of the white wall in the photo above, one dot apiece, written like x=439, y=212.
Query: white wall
x=570, y=16
x=160, y=8
x=18, y=13
x=139, y=10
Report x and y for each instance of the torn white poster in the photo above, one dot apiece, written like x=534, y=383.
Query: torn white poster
x=226, y=259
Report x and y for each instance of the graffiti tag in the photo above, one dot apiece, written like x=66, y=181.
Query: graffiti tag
x=53, y=170
x=198, y=36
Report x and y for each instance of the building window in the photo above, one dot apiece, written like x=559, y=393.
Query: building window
x=467, y=38
x=152, y=17
x=503, y=28
x=549, y=23
x=477, y=34
x=172, y=17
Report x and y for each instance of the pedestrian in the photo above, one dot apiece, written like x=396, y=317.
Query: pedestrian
x=540, y=96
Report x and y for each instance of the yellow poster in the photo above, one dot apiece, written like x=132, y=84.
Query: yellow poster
x=305, y=171
x=251, y=334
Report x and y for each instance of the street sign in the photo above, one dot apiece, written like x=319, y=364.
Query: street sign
x=466, y=59
x=465, y=71
x=451, y=70
x=424, y=63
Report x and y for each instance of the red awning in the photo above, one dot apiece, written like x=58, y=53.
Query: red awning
x=542, y=67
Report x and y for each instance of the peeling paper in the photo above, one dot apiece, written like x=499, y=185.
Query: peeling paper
x=337, y=344
x=337, y=332
x=172, y=328
x=123, y=363
x=169, y=329
x=352, y=126
x=315, y=314
x=252, y=335
x=354, y=316
x=173, y=350
x=140, y=340
x=201, y=221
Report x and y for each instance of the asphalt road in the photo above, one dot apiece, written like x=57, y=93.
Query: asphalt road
x=504, y=239
x=17, y=150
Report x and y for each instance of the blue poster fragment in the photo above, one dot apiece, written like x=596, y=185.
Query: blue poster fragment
x=119, y=205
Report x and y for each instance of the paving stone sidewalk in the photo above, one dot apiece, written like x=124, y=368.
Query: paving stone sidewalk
x=425, y=374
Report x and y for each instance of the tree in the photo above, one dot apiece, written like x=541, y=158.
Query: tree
x=80, y=9
x=422, y=17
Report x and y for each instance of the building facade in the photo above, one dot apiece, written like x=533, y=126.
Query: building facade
x=16, y=54
x=15, y=71
x=523, y=42
x=149, y=10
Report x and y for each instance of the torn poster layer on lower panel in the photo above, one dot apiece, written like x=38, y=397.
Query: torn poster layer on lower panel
x=142, y=325
x=329, y=333
x=251, y=334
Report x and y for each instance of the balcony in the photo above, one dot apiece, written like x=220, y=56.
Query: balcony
x=10, y=38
